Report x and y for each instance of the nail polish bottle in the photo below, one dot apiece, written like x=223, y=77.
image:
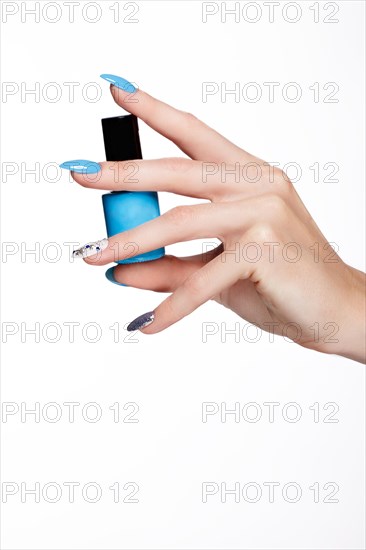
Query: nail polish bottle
x=126, y=209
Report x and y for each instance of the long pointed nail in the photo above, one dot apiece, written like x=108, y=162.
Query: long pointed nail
x=90, y=249
x=110, y=276
x=142, y=321
x=81, y=166
x=120, y=82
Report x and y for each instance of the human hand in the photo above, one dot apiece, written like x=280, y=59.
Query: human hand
x=274, y=267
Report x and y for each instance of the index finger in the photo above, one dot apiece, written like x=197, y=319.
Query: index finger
x=191, y=135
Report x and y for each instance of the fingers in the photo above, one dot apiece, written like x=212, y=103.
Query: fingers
x=163, y=275
x=186, y=177
x=193, y=137
x=175, y=175
x=201, y=286
x=183, y=223
x=191, y=178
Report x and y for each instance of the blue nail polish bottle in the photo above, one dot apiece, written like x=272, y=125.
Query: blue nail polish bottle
x=126, y=209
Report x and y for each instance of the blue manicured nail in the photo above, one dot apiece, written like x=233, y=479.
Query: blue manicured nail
x=142, y=321
x=120, y=82
x=81, y=166
x=110, y=276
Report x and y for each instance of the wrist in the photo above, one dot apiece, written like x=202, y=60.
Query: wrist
x=352, y=325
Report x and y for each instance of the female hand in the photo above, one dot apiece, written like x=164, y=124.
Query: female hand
x=274, y=267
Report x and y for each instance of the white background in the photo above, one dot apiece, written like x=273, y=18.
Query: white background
x=170, y=452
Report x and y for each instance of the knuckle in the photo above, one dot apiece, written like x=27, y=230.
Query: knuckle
x=273, y=212
x=279, y=175
x=252, y=171
x=189, y=117
x=274, y=206
x=180, y=215
x=262, y=232
x=177, y=164
x=196, y=284
x=281, y=180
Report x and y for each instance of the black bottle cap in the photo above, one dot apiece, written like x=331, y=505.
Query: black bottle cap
x=121, y=138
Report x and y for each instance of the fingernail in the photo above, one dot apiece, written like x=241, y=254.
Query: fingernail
x=90, y=249
x=81, y=166
x=120, y=82
x=110, y=276
x=142, y=321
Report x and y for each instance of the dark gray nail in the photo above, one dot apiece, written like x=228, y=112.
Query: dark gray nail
x=142, y=321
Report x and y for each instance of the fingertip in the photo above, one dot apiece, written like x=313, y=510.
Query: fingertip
x=120, y=96
x=127, y=99
x=110, y=275
x=120, y=82
x=94, y=260
x=141, y=321
x=88, y=179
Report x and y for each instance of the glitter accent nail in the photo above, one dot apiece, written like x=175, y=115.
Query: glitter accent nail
x=90, y=249
x=142, y=321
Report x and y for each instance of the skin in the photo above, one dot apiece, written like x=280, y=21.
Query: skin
x=255, y=213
